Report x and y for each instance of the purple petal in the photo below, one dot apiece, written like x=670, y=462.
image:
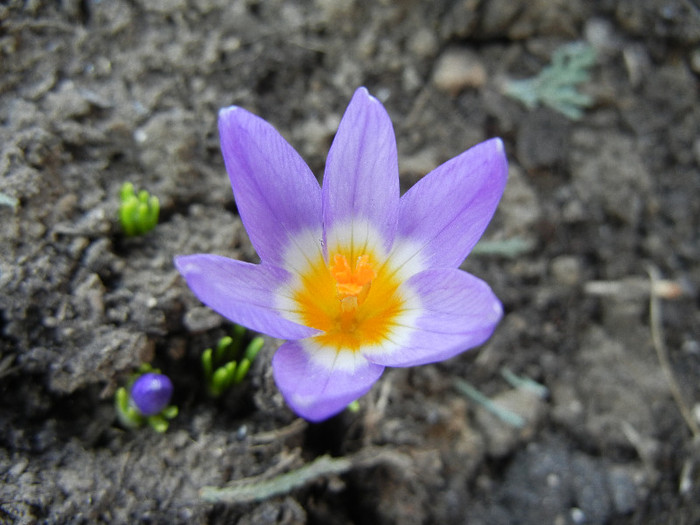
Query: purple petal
x=315, y=384
x=361, y=180
x=447, y=211
x=275, y=191
x=241, y=292
x=459, y=311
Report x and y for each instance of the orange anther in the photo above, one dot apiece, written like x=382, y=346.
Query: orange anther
x=349, y=282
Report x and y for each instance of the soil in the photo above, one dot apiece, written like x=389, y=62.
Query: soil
x=94, y=93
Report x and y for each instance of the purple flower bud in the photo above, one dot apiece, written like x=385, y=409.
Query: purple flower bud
x=151, y=393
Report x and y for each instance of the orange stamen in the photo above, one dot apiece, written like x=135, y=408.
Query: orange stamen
x=352, y=285
x=350, y=299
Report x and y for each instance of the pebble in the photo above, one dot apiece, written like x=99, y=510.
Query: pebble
x=566, y=269
x=18, y=468
x=458, y=69
x=600, y=33
x=502, y=437
x=200, y=319
x=695, y=60
x=423, y=43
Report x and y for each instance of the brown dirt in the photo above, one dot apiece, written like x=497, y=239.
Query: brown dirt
x=97, y=92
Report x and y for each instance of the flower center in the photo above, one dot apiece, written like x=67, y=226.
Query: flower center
x=352, y=284
x=352, y=299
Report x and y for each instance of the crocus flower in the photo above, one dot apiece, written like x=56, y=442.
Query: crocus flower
x=353, y=276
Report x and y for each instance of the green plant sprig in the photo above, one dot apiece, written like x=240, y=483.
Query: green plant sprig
x=221, y=366
x=556, y=85
x=138, y=213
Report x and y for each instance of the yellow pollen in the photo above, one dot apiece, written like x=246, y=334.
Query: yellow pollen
x=351, y=284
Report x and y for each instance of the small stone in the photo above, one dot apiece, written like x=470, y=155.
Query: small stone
x=458, y=69
x=18, y=468
x=411, y=80
x=200, y=319
x=566, y=269
x=423, y=43
x=600, y=33
x=695, y=60
x=501, y=437
x=577, y=515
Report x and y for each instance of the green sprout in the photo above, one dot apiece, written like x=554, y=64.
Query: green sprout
x=555, y=86
x=221, y=366
x=138, y=213
x=158, y=411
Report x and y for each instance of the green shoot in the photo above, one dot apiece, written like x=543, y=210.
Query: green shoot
x=138, y=213
x=221, y=365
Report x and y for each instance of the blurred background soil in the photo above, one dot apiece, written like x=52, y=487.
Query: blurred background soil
x=94, y=93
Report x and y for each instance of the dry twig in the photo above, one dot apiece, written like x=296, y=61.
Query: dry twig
x=657, y=338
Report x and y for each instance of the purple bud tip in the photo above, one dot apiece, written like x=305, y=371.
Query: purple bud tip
x=151, y=393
